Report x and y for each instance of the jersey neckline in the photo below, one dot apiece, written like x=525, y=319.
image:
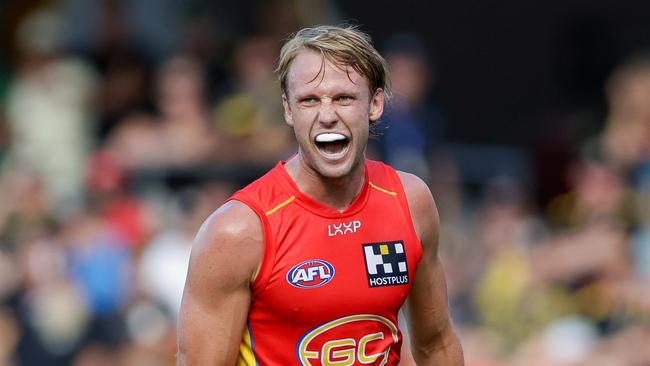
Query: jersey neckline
x=316, y=206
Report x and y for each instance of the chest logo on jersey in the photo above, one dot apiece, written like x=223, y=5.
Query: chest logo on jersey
x=310, y=274
x=343, y=228
x=386, y=263
x=351, y=340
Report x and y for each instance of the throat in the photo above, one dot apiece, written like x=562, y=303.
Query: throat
x=340, y=195
x=336, y=193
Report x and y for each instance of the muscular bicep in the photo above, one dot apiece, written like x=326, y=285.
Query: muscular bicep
x=433, y=340
x=217, y=295
x=426, y=306
x=427, y=302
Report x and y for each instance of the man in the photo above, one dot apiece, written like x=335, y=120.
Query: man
x=310, y=264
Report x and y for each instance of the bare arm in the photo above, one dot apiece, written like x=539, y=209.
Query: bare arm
x=433, y=340
x=225, y=256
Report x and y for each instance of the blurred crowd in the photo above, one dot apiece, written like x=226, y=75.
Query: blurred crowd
x=118, y=137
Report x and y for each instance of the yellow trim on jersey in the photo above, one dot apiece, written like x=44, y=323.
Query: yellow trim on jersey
x=246, y=355
x=382, y=189
x=276, y=208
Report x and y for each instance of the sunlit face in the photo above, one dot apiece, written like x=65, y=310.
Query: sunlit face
x=330, y=111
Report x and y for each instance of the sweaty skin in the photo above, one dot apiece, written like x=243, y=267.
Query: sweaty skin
x=321, y=98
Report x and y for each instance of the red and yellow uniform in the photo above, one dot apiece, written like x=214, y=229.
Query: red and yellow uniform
x=331, y=283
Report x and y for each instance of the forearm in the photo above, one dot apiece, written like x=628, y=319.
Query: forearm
x=444, y=349
x=209, y=342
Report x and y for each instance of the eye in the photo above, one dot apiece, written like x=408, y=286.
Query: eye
x=345, y=99
x=308, y=100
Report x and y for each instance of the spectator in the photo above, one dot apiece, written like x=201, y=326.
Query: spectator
x=49, y=109
x=413, y=125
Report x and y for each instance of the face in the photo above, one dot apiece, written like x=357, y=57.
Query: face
x=330, y=111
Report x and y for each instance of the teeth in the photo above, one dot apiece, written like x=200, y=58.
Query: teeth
x=329, y=137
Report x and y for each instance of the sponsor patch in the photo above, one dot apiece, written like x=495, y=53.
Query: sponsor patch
x=343, y=228
x=386, y=263
x=310, y=274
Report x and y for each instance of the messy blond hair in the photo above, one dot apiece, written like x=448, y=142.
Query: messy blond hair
x=339, y=45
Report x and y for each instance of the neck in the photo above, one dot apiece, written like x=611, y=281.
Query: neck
x=337, y=193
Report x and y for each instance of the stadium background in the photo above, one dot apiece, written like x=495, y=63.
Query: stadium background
x=124, y=123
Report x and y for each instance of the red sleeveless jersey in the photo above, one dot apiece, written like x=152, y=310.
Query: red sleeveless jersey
x=331, y=283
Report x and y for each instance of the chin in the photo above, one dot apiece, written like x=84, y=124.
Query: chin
x=339, y=170
x=333, y=172
x=329, y=169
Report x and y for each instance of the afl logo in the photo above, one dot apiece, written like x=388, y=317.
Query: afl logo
x=310, y=274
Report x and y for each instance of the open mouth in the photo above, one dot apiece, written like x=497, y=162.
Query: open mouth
x=332, y=143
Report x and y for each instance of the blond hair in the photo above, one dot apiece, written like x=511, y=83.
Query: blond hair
x=340, y=45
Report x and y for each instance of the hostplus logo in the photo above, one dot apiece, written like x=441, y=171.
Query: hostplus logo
x=343, y=228
x=386, y=264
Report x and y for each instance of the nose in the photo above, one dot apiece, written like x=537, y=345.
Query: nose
x=327, y=113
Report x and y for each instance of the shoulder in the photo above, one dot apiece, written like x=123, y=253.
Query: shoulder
x=230, y=238
x=422, y=206
x=418, y=194
x=233, y=219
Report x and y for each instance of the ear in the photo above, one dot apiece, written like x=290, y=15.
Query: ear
x=287, y=110
x=376, y=105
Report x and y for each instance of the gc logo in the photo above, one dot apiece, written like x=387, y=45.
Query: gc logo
x=338, y=343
